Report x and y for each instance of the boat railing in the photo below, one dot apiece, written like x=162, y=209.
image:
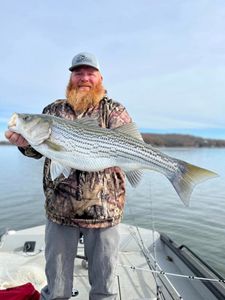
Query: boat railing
x=201, y=261
x=199, y=267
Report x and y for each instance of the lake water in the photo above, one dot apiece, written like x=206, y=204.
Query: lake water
x=153, y=203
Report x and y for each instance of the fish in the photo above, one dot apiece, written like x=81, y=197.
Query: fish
x=83, y=145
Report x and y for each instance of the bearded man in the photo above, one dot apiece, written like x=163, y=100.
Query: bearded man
x=90, y=203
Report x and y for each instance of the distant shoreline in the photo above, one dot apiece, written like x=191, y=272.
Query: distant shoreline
x=172, y=140
x=5, y=143
x=181, y=140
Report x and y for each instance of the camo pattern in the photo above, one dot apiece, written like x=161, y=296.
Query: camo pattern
x=85, y=199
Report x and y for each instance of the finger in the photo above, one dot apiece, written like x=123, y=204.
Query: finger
x=14, y=138
x=22, y=142
x=8, y=134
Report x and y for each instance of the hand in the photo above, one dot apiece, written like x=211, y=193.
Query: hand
x=16, y=139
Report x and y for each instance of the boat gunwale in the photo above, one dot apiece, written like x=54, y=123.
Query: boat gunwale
x=187, y=259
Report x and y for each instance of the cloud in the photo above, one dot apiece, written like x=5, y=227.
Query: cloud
x=164, y=60
x=192, y=97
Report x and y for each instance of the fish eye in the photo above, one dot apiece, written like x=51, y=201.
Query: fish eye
x=26, y=118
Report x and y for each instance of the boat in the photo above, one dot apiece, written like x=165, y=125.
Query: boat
x=151, y=266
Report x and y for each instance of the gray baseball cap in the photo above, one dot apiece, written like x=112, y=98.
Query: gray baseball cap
x=84, y=59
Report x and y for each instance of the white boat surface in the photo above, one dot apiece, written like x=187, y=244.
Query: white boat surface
x=151, y=266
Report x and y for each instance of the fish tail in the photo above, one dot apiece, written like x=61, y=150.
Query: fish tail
x=187, y=177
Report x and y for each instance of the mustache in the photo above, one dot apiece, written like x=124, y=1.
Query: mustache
x=84, y=84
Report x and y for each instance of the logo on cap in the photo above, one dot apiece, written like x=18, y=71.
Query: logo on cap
x=82, y=58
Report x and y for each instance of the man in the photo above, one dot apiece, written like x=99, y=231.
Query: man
x=87, y=203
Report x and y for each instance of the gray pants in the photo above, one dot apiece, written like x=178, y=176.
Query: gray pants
x=101, y=248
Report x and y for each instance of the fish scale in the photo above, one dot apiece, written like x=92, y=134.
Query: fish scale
x=96, y=139
x=85, y=141
x=81, y=144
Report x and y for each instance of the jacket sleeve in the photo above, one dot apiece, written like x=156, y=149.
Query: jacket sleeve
x=30, y=152
x=119, y=116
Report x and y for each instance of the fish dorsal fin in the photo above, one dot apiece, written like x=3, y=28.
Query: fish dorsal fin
x=88, y=121
x=130, y=129
x=134, y=177
x=56, y=169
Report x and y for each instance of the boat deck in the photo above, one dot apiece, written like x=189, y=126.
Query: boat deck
x=138, y=284
x=135, y=276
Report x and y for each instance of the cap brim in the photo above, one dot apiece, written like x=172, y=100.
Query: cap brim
x=82, y=64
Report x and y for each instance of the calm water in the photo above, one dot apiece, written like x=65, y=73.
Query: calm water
x=200, y=226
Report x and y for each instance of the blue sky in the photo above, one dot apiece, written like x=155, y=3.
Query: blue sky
x=164, y=60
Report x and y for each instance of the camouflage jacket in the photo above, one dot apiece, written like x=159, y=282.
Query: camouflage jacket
x=85, y=199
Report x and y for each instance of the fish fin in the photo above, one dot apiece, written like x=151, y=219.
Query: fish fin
x=56, y=169
x=185, y=180
x=66, y=171
x=54, y=146
x=130, y=129
x=134, y=177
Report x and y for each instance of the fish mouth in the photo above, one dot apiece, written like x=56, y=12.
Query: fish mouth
x=13, y=121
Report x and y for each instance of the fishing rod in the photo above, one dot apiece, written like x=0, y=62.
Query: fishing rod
x=161, y=272
x=153, y=266
x=191, y=277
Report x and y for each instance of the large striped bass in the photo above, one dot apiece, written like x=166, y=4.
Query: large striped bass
x=83, y=145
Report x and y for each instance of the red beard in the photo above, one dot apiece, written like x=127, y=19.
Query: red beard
x=82, y=100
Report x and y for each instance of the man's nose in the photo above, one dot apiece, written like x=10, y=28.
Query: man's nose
x=84, y=77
